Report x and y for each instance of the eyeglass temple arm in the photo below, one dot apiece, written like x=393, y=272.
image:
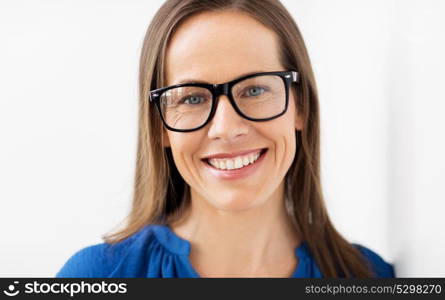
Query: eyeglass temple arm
x=154, y=95
x=294, y=76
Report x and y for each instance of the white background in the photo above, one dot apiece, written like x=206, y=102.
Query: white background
x=68, y=116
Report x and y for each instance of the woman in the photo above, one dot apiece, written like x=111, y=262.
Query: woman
x=227, y=179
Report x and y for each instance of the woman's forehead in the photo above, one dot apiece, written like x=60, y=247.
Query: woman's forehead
x=216, y=46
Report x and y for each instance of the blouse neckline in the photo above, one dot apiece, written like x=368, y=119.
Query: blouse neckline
x=182, y=247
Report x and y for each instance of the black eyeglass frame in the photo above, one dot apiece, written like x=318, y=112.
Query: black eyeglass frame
x=225, y=89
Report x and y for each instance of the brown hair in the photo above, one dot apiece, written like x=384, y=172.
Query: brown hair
x=160, y=193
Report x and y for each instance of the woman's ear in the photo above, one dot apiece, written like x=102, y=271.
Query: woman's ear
x=298, y=121
x=298, y=116
x=165, y=139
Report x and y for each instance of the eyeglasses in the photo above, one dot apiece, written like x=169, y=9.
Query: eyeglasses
x=256, y=97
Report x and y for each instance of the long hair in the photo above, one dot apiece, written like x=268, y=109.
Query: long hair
x=160, y=193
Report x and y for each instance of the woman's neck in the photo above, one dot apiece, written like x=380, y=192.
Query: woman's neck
x=258, y=242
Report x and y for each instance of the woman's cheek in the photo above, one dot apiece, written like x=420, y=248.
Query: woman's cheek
x=186, y=149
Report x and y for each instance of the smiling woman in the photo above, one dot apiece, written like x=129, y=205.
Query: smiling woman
x=227, y=176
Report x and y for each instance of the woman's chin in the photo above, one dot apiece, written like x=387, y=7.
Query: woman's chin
x=235, y=202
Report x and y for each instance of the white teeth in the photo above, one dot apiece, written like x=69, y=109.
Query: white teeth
x=234, y=163
x=238, y=162
x=229, y=164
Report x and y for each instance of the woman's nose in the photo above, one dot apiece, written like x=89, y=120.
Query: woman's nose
x=227, y=124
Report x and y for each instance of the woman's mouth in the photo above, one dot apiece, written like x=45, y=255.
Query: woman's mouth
x=235, y=167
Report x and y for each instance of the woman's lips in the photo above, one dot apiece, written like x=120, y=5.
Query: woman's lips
x=236, y=173
x=232, y=155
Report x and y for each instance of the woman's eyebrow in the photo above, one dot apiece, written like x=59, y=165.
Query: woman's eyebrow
x=189, y=80
x=192, y=81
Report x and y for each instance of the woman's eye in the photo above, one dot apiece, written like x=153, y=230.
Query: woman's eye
x=194, y=100
x=255, y=91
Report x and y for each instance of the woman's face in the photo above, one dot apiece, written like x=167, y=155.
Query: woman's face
x=217, y=47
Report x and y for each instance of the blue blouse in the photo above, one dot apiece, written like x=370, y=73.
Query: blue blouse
x=156, y=251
